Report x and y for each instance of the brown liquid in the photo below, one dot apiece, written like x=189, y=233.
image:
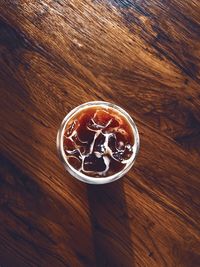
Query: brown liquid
x=98, y=141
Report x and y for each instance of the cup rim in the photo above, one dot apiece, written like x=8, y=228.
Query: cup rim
x=81, y=176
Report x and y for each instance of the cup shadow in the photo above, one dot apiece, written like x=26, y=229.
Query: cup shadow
x=110, y=225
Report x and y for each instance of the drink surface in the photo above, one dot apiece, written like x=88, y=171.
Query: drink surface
x=98, y=141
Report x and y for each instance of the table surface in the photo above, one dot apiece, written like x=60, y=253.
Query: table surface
x=142, y=55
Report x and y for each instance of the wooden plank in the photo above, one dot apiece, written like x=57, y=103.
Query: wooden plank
x=142, y=55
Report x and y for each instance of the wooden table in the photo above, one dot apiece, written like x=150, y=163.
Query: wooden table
x=142, y=55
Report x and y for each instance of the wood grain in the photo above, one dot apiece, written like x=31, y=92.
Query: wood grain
x=142, y=55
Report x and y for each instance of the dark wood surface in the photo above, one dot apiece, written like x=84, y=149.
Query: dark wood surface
x=142, y=55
